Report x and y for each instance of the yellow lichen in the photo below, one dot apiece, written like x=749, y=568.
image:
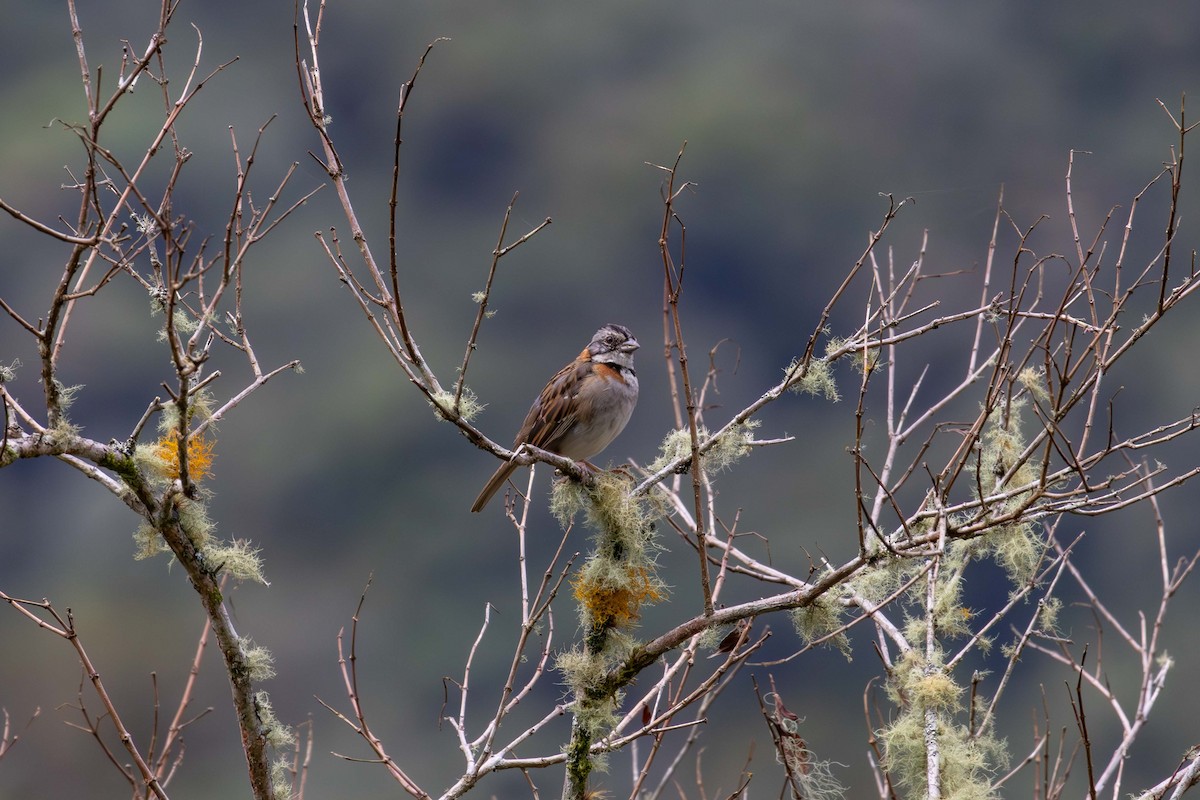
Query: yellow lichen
x=616, y=602
x=165, y=455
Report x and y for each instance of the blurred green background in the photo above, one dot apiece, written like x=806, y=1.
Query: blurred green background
x=796, y=117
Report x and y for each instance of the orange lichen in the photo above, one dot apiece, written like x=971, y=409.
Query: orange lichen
x=618, y=605
x=199, y=455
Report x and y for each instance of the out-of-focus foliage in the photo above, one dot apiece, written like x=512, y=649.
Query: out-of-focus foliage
x=796, y=115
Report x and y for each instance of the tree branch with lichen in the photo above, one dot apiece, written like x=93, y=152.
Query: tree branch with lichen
x=983, y=466
x=199, y=297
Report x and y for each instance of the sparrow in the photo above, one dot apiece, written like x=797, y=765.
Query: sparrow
x=582, y=408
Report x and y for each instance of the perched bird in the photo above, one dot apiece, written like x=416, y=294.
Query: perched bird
x=738, y=634
x=582, y=408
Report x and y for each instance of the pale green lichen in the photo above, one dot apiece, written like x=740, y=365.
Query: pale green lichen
x=620, y=575
x=66, y=394
x=9, y=373
x=725, y=450
x=1001, y=448
x=1047, y=617
x=148, y=542
x=146, y=225
x=616, y=580
x=580, y=669
x=609, y=509
x=567, y=500
x=195, y=522
x=1016, y=547
x=183, y=323
x=929, y=700
x=260, y=664
x=282, y=778
x=676, y=445
x=817, y=379
x=731, y=446
x=199, y=407
x=1034, y=380
x=239, y=559
x=468, y=407
x=278, y=735
x=885, y=575
x=63, y=430
x=822, y=620
x=1014, y=543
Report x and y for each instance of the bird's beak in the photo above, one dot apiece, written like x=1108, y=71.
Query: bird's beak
x=629, y=346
